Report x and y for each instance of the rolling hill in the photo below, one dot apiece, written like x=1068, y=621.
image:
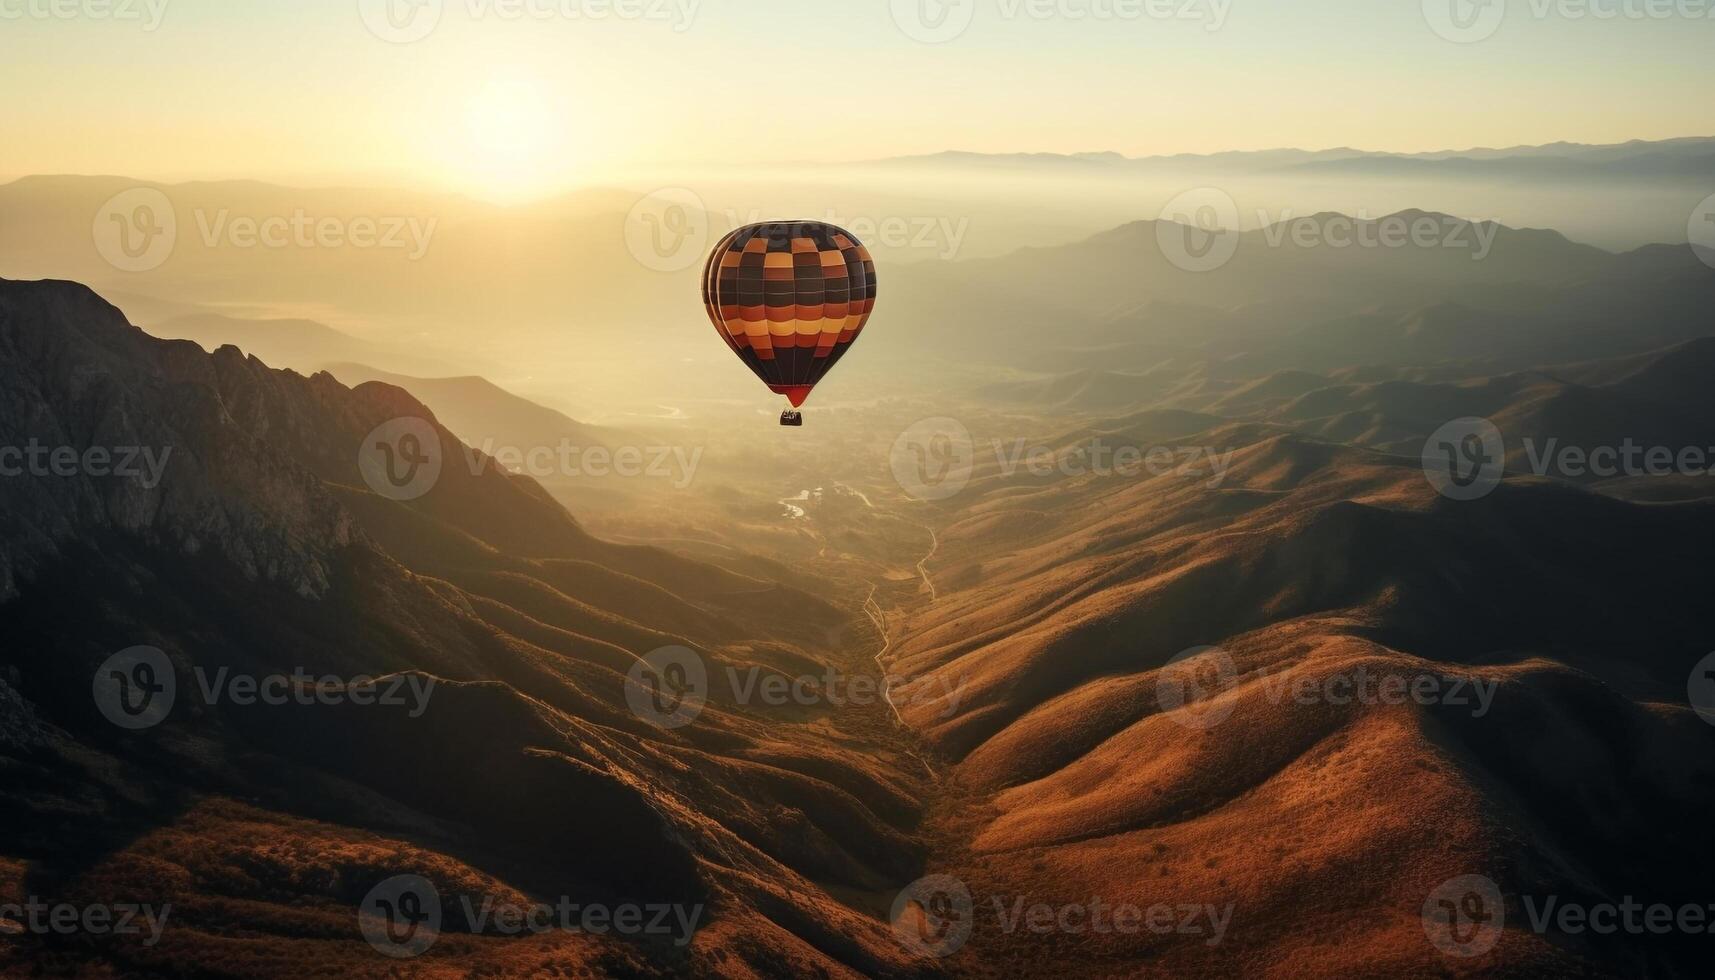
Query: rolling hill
x=1320, y=818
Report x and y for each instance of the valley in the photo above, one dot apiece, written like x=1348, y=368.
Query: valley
x=883, y=490
x=1125, y=650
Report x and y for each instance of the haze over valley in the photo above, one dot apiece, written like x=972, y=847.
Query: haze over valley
x=1231, y=553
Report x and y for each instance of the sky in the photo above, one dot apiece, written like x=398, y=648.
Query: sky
x=500, y=98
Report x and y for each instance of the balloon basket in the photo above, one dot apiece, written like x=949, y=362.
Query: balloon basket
x=790, y=417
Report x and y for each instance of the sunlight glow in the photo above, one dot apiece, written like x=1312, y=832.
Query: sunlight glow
x=512, y=142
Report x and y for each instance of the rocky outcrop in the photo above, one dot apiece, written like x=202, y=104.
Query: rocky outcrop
x=104, y=427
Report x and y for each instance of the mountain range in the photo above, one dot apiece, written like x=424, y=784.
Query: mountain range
x=1292, y=295
x=1026, y=630
x=1683, y=158
x=1066, y=603
x=263, y=549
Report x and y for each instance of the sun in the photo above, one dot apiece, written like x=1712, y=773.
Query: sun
x=513, y=141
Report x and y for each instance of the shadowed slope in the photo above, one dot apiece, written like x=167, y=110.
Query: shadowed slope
x=261, y=550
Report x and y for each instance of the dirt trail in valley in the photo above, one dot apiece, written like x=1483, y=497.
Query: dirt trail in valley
x=878, y=615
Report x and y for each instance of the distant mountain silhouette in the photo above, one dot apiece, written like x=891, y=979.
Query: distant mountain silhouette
x=1690, y=157
x=1504, y=299
x=428, y=257
x=480, y=412
x=302, y=345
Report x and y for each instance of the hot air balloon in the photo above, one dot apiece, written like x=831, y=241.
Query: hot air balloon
x=789, y=298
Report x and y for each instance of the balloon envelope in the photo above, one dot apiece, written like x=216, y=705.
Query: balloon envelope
x=789, y=298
